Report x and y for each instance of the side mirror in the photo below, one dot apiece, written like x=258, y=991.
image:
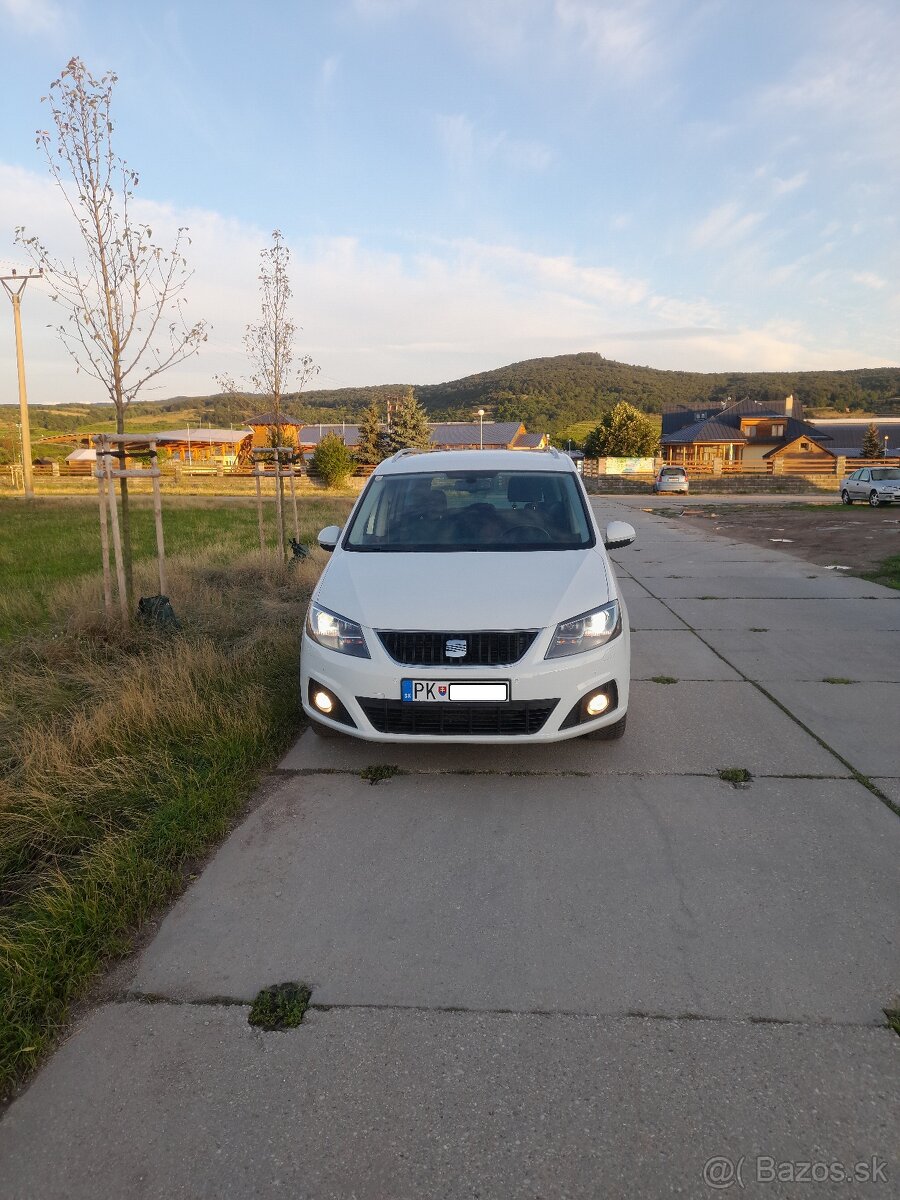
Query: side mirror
x=617, y=535
x=329, y=537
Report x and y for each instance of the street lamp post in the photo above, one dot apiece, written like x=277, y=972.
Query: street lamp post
x=885, y=445
x=481, y=429
x=15, y=294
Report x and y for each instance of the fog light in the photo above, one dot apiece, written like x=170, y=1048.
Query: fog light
x=597, y=704
x=323, y=702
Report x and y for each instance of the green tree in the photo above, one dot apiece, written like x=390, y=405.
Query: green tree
x=872, y=445
x=332, y=461
x=409, y=425
x=373, y=442
x=622, y=433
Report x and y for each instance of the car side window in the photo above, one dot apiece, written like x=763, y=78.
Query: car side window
x=855, y=475
x=864, y=477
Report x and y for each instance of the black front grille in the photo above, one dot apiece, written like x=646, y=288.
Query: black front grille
x=483, y=648
x=448, y=720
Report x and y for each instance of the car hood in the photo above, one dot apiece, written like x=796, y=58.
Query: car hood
x=460, y=591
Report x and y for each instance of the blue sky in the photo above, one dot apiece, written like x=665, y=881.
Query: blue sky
x=688, y=184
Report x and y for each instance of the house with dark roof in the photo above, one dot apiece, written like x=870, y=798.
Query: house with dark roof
x=745, y=433
x=847, y=434
x=445, y=435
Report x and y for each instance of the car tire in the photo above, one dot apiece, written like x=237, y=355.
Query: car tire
x=610, y=733
x=324, y=731
x=846, y=498
x=874, y=499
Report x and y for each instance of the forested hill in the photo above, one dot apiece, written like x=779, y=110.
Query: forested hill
x=548, y=394
x=552, y=393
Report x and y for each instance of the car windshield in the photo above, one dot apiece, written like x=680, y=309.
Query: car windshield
x=471, y=510
x=674, y=471
x=886, y=473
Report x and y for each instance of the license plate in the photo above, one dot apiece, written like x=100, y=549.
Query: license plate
x=438, y=690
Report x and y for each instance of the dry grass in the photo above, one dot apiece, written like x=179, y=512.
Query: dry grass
x=125, y=752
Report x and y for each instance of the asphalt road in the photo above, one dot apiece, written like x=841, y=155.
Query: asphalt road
x=589, y=970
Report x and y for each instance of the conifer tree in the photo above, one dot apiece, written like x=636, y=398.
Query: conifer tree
x=872, y=446
x=373, y=442
x=409, y=425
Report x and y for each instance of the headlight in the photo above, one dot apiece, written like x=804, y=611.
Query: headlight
x=336, y=632
x=587, y=632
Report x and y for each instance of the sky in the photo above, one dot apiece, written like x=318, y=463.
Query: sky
x=700, y=185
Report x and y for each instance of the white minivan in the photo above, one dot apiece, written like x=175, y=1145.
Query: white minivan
x=469, y=598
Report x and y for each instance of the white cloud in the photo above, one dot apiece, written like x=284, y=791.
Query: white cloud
x=724, y=226
x=434, y=310
x=467, y=147
x=781, y=187
x=870, y=280
x=846, y=83
x=621, y=36
x=33, y=16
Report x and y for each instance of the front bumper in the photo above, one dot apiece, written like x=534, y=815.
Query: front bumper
x=532, y=680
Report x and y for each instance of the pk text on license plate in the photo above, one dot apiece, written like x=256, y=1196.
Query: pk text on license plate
x=436, y=690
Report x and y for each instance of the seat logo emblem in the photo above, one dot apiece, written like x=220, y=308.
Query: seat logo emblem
x=456, y=648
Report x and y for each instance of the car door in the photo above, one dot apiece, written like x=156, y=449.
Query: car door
x=850, y=484
x=861, y=484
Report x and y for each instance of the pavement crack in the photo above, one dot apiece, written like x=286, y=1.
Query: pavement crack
x=629, y=1014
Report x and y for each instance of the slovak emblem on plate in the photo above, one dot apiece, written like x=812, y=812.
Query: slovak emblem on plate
x=456, y=648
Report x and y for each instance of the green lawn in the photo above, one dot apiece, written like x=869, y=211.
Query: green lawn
x=49, y=541
x=887, y=574
x=126, y=753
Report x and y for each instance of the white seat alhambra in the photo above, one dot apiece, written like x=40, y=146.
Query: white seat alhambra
x=469, y=598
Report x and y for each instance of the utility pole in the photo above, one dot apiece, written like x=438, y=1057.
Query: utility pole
x=15, y=294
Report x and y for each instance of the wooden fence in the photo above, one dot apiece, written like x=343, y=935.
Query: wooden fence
x=759, y=468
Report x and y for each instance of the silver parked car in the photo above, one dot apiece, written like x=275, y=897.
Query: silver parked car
x=671, y=479
x=878, y=485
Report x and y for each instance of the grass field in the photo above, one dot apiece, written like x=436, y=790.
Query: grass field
x=126, y=752
x=56, y=540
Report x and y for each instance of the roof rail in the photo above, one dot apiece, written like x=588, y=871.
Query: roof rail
x=409, y=450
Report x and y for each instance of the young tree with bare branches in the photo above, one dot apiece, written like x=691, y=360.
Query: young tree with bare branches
x=270, y=341
x=124, y=297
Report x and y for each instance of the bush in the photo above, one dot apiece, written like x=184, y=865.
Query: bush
x=332, y=461
x=623, y=433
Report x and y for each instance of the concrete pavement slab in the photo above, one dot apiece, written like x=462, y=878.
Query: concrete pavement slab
x=646, y=613
x=693, y=727
x=658, y=896
x=772, y=584
x=707, y=567
x=890, y=787
x=873, y=616
x=860, y=720
x=453, y=1105
x=678, y=653
x=805, y=654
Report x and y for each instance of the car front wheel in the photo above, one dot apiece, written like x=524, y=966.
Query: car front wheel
x=845, y=497
x=874, y=498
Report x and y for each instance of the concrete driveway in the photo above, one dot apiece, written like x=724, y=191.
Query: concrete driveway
x=588, y=970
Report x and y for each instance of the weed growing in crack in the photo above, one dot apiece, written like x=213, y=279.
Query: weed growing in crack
x=379, y=771
x=280, y=1006
x=663, y=679
x=735, y=775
